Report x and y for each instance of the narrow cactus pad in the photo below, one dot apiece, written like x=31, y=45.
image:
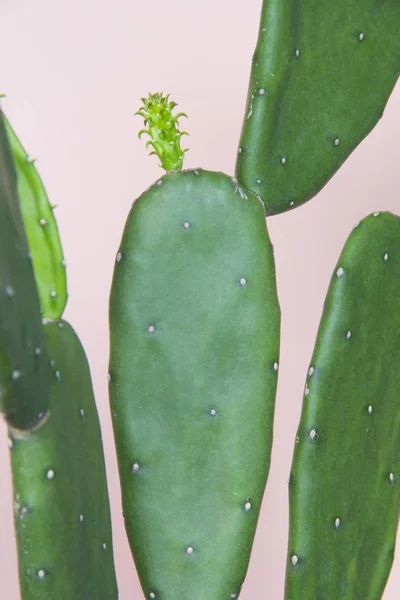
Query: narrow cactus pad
x=345, y=479
x=62, y=514
x=321, y=77
x=24, y=364
x=41, y=231
x=194, y=323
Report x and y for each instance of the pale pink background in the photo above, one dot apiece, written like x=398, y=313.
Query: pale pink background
x=74, y=72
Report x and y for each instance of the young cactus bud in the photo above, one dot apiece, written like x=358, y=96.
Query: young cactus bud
x=163, y=128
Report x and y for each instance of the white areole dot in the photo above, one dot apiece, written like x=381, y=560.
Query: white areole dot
x=391, y=477
x=295, y=560
x=196, y=173
x=104, y=546
x=348, y=335
x=15, y=375
x=261, y=92
x=297, y=53
x=311, y=371
x=119, y=257
x=213, y=412
x=370, y=409
x=38, y=351
x=361, y=36
x=291, y=203
x=376, y=213
x=159, y=182
x=337, y=141
x=283, y=160
x=186, y=225
x=240, y=151
x=50, y=474
x=10, y=443
x=306, y=390
x=242, y=281
x=108, y=377
x=135, y=467
x=10, y=290
x=312, y=434
x=82, y=412
x=258, y=181
x=151, y=329
x=337, y=522
x=41, y=573
x=81, y=518
x=53, y=293
x=340, y=272
x=247, y=506
x=386, y=257
x=152, y=595
x=189, y=550
x=43, y=222
x=276, y=367
x=57, y=375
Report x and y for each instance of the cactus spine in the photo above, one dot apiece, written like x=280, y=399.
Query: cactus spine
x=344, y=484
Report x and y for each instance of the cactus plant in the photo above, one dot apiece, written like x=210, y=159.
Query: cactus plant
x=194, y=324
x=320, y=79
x=344, y=483
x=194, y=331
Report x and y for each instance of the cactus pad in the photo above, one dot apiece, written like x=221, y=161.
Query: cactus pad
x=345, y=480
x=321, y=77
x=61, y=506
x=24, y=363
x=41, y=231
x=194, y=322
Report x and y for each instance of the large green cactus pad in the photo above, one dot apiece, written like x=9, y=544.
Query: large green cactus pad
x=194, y=323
x=345, y=479
x=24, y=364
x=61, y=506
x=321, y=77
x=41, y=231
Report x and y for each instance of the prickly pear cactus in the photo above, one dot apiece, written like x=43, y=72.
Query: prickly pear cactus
x=345, y=479
x=62, y=514
x=41, y=230
x=194, y=323
x=320, y=79
x=24, y=362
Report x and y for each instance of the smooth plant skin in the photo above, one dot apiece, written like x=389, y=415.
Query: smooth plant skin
x=61, y=506
x=194, y=324
x=24, y=362
x=41, y=231
x=345, y=479
x=320, y=80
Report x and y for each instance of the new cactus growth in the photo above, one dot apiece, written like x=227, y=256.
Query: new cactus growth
x=41, y=231
x=344, y=484
x=194, y=323
x=320, y=80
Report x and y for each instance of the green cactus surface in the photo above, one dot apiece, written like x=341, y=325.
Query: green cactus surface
x=24, y=361
x=320, y=79
x=163, y=129
x=62, y=514
x=41, y=231
x=345, y=479
x=194, y=324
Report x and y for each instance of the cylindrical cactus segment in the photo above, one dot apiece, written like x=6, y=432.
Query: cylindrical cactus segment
x=345, y=479
x=319, y=83
x=194, y=322
x=61, y=506
x=24, y=363
x=41, y=232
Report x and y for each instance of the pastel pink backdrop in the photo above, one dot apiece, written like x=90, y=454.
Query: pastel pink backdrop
x=74, y=73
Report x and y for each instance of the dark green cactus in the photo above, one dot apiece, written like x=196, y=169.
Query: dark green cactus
x=41, y=230
x=320, y=79
x=24, y=362
x=345, y=479
x=194, y=323
x=62, y=513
